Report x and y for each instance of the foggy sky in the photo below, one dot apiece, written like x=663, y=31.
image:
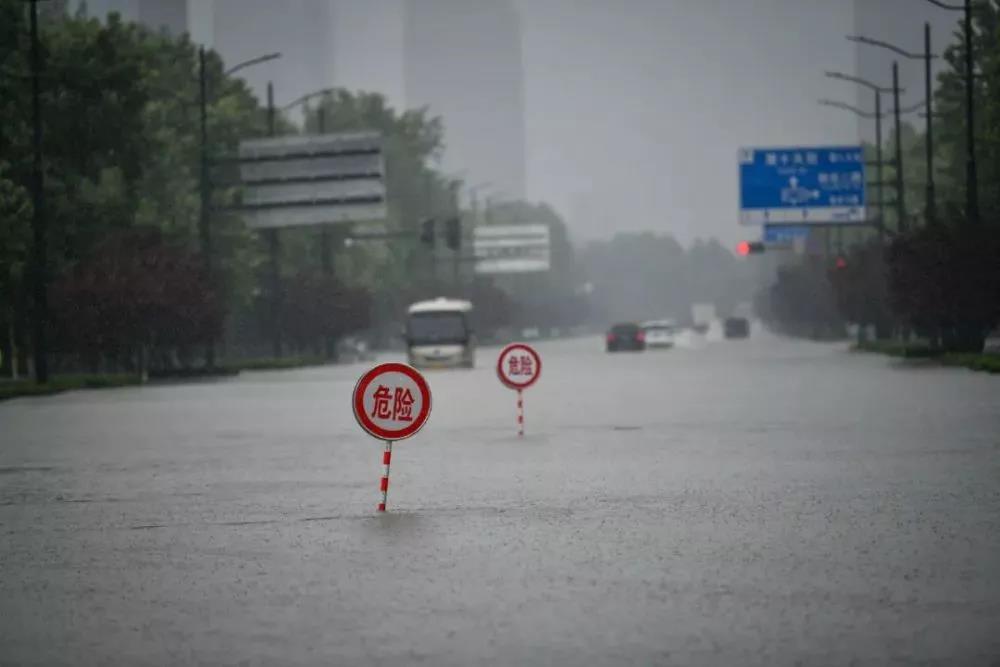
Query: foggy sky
x=633, y=109
x=636, y=109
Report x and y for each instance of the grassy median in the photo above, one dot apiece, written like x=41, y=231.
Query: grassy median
x=986, y=362
x=21, y=388
x=57, y=385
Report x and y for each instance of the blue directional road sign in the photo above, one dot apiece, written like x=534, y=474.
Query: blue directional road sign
x=801, y=186
x=784, y=233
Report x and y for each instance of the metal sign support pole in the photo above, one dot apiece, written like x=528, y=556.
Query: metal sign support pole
x=384, y=487
x=520, y=413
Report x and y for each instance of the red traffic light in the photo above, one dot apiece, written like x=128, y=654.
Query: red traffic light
x=841, y=263
x=744, y=248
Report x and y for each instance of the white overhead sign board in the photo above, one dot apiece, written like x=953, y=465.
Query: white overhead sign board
x=312, y=180
x=511, y=248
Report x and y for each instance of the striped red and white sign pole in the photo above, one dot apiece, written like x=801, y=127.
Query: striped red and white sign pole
x=518, y=367
x=391, y=402
x=384, y=486
x=520, y=413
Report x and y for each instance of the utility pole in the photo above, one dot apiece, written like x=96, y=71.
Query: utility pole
x=456, y=259
x=901, y=224
x=205, y=194
x=39, y=254
x=926, y=56
x=929, y=138
x=878, y=167
x=972, y=187
x=274, y=250
x=325, y=236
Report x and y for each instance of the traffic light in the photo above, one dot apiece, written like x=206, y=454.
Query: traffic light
x=840, y=264
x=427, y=232
x=744, y=248
x=453, y=233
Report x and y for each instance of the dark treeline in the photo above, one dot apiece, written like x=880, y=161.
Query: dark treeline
x=935, y=276
x=127, y=282
x=640, y=276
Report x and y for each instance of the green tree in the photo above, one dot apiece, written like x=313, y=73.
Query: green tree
x=950, y=102
x=412, y=141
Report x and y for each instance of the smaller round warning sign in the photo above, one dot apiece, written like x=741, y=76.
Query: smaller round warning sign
x=519, y=366
x=392, y=401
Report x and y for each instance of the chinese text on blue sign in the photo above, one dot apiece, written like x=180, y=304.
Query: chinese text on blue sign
x=778, y=234
x=823, y=184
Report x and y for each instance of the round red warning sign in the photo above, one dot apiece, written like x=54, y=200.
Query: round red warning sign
x=519, y=366
x=392, y=401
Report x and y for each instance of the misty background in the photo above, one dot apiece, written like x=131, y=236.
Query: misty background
x=616, y=123
x=621, y=116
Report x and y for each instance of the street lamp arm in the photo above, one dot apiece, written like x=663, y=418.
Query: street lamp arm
x=861, y=82
x=308, y=96
x=945, y=5
x=914, y=107
x=253, y=61
x=860, y=39
x=847, y=107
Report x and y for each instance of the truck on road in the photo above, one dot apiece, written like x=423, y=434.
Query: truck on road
x=702, y=316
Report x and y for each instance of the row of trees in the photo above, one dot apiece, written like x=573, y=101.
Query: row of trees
x=121, y=146
x=939, y=281
x=638, y=276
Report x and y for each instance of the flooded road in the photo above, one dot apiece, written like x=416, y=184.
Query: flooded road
x=756, y=503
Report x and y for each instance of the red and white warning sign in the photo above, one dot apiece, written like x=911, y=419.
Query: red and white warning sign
x=392, y=401
x=519, y=366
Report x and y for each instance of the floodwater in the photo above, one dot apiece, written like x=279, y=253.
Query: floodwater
x=751, y=502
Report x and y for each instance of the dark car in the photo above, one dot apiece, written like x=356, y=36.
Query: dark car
x=737, y=327
x=626, y=337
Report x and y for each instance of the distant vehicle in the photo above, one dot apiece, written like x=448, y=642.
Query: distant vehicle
x=737, y=327
x=439, y=333
x=626, y=336
x=659, y=333
x=531, y=333
x=702, y=316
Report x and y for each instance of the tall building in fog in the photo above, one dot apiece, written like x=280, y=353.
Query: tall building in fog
x=169, y=15
x=243, y=29
x=368, y=47
x=462, y=58
x=299, y=29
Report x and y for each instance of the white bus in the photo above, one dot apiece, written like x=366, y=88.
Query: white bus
x=439, y=333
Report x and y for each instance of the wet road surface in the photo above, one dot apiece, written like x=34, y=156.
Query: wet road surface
x=753, y=503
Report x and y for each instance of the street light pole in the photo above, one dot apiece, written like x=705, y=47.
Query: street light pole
x=971, y=172
x=204, y=191
x=205, y=180
x=878, y=90
x=326, y=236
x=457, y=209
x=274, y=250
x=972, y=187
x=39, y=247
x=325, y=239
x=929, y=138
x=901, y=224
x=926, y=56
x=878, y=166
